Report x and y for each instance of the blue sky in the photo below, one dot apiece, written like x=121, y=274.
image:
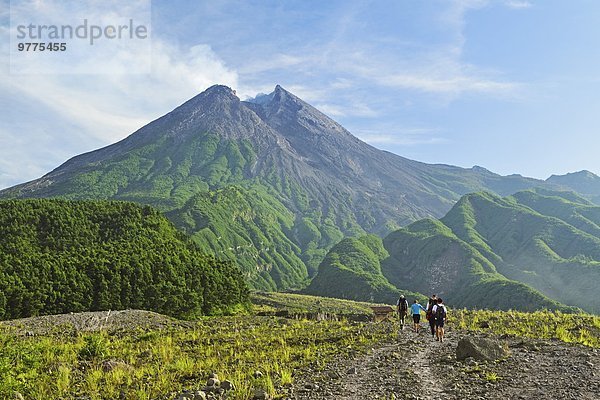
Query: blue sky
x=511, y=85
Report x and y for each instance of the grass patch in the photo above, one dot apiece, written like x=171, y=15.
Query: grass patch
x=144, y=365
x=152, y=363
x=271, y=302
x=581, y=329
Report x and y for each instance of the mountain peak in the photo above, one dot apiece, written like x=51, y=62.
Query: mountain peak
x=221, y=89
x=294, y=117
x=218, y=93
x=214, y=95
x=583, y=182
x=577, y=174
x=285, y=94
x=585, y=173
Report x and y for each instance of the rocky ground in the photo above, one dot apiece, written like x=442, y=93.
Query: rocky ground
x=413, y=366
x=111, y=321
x=418, y=367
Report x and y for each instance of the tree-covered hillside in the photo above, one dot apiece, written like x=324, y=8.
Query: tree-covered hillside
x=352, y=270
x=60, y=256
x=546, y=240
x=249, y=227
x=428, y=257
x=535, y=249
x=583, y=182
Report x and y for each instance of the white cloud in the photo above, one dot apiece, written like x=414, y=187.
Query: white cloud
x=516, y=4
x=400, y=137
x=437, y=68
x=331, y=110
x=276, y=61
x=440, y=69
x=56, y=116
x=344, y=109
x=449, y=84
x=109, y=107
x=126, y=52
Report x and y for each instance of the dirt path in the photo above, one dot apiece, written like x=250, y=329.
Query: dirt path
x=416, y=367
x=422, y=365
x=406, y=369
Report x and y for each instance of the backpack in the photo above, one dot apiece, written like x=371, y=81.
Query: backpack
x=440, y=312
x=403, y=305
x=429, y=310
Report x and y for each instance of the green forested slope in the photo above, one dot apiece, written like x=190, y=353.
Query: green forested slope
x=532, y=250
x=567, y=206
x=249, y=227
x=428, y=257
x=351, y=270
x=60, y=256
x=547, y=252
x=583, y=182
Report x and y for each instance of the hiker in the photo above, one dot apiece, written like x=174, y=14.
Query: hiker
x=440, y=313
x=416, y=313
x=429, y=313
x=402, y=307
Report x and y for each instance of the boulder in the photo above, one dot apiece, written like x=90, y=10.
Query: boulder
x=109, y=365
x=213, y=382
x=480, y=349
x=199, y=395
x=188, y=395
x=260, y=394
x=227, y=385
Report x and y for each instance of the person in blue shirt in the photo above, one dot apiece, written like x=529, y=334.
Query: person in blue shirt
x=415, y=309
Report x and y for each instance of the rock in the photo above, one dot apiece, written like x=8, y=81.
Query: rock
x=352, y=371
x=210, y=389
x=185, y=396
x=334, y=375
x=213, y=382
x=447, y=359
x=257, y=374
x=470, y=361
x=199, y=395
x=110, y=365
x=260, y=394
x=227, y=385
x=213, y=375
x=480, y=349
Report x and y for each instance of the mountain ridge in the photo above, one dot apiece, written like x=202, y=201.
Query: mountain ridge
x=585, y=182
x=320, y=181
x=536, y=249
